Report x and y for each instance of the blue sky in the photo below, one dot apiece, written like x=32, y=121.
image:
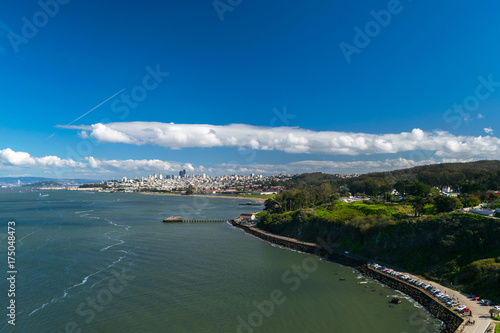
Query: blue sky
x=336, y=86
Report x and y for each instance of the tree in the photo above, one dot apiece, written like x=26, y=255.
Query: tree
x=271, y=205
x=418, y=204
x=469, y=200
x=419, y=189
x=447, y=204
x=402, y=186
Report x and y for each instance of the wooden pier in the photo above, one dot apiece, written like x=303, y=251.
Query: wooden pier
x=178, y=219
x=203, y=220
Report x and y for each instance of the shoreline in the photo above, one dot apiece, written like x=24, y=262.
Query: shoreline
x=260, y=200
x=453, y=323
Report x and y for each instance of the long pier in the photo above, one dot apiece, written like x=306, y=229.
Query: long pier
x=203, y=220
x=178, y=219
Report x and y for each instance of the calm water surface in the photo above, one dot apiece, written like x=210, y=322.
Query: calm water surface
x=104, y=262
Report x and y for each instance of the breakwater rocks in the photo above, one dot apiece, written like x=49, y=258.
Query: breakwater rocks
x=451, y=320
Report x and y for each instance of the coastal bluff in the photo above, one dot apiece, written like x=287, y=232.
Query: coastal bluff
x=452, y=322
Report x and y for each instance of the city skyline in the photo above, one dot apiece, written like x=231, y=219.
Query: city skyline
x=220, y=87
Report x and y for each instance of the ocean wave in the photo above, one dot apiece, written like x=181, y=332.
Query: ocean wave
x=120, y=242
x=84, y=211
x=31, y=233
x=84, y=281
x=406, y=297
x=127, y=227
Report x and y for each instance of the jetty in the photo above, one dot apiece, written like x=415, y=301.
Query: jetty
x=179, y=219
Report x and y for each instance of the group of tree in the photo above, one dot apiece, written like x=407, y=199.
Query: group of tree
x=465, y=178
x=415, y=186
x=299, y=198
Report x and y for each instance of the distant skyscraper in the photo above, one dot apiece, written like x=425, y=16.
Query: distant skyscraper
x=182, y=173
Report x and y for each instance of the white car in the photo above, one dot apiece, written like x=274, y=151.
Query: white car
x=460, y=308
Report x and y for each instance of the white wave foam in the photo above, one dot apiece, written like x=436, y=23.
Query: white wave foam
x=84, y=211
x=84, y=281
x=110, y=246
x=20, y=240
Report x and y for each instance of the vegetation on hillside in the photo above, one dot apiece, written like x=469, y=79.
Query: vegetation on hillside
x=407, y=221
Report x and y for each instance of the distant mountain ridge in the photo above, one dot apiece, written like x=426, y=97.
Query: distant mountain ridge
x=31, y=180
x=400, y=173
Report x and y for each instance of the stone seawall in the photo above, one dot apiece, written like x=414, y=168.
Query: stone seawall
x=451, y=320
x=313, y=248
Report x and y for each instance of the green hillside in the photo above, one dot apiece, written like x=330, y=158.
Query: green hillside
x=419, y=229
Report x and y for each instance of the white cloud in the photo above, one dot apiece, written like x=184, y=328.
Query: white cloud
x=83, y=134
x=488, y=130
x=293, y=139
x=107, y=134
x=91, y=166
x=128, y=165
x=22, y=160
x=8, y=157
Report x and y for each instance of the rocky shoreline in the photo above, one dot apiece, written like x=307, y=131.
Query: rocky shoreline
x=452, y=321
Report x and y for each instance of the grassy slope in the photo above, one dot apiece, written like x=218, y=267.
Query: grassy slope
x=458, y=249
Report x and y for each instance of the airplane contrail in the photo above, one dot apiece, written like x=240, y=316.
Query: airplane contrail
x=95, y=107
x=86, y=113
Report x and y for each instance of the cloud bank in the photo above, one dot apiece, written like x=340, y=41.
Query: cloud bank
x=11, y=158
x=292, y=139
x=104, y=168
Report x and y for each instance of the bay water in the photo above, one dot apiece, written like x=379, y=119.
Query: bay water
x=104, y=262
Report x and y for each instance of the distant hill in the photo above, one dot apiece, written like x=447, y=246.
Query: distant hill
x=411, y=173
x=471, y=177
x=32, y=180
x=44, y=184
